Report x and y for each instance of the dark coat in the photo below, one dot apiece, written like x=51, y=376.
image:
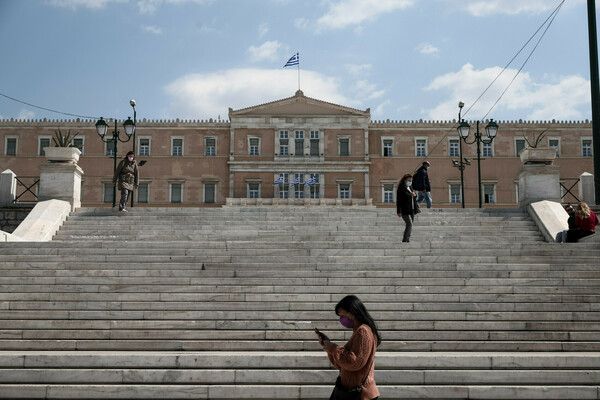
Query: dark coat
x=421, y=180
x=127, y=175
x=406, y=203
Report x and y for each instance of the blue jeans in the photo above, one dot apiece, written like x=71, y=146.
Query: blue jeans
x=426, y=197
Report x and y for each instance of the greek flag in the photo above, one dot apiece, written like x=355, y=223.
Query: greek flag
x=295, y=60
x=297, y=181
x=310, y=182
x=278, y=181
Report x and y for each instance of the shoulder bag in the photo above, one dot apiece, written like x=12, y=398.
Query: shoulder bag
x=341, y=393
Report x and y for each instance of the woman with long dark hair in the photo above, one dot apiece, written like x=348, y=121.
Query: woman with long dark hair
x=354, y=360
x=406, y=204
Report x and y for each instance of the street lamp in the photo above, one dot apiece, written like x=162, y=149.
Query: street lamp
x=491, y=130
x=129, y=127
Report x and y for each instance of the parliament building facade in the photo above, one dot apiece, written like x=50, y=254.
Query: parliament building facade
x=300, y=151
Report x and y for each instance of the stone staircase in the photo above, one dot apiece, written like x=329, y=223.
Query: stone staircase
x=192, y=303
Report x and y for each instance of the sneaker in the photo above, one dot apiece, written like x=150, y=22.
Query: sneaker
x=124, y=210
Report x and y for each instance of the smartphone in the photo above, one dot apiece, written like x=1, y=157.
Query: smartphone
x=321, y=334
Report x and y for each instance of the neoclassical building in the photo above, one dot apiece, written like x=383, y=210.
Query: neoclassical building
x=297, y=150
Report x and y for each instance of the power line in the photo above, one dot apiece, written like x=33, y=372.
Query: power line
x=47, y=109
x=550, y=18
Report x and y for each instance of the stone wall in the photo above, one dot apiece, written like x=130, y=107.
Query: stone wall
x=12, y=216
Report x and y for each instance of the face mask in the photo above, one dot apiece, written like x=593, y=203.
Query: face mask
x=130, y=158
x=427, y=168
x=409, y=183
x=347, y=322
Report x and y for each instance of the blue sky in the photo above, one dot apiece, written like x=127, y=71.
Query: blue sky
x=193, y=59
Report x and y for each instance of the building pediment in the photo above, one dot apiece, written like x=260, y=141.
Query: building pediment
x=298, y=105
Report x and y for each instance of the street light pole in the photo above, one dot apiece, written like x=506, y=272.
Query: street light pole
x=132, y=104
x=463, y=131
x=462, y=166
x=102, y=128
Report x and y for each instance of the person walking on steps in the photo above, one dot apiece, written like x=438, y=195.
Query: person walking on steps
x=128, y=178
x=406, y=204
x=422, y=185
x=356, y=359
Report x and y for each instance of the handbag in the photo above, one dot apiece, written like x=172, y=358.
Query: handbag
x=341, y=393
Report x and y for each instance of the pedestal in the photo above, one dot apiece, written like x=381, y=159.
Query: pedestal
x=61, y=181
x=538, y=182
x=8, y=188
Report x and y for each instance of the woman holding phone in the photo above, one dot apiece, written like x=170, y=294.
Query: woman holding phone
x=355, y=359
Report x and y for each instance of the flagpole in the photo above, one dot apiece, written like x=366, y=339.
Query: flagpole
x=298, y=53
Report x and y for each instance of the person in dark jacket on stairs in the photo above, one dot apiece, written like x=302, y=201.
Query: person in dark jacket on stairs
x=406, y=204
x=422, y=185
x=128, y=177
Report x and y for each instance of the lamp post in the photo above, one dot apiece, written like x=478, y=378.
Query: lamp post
x=102, y=128
x=463, y=130
x=132, y=104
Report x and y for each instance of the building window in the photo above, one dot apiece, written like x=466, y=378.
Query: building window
x=299, y=143
x=79, y=143
x=177, y=147
x=315, y=187
x=586, y=147
x=284, y=143
x=388, y=193
x=299, y=186
x=108, y=193
x=42, y=143
x=176, y=192
x=253, y=146
x=453, y=147
x=211, y=147
x=519, y=146
x=110, y=147
x=10, y=147
x=144, y=147
x=344, y=146
x=554, y=143
x=344, y=191
x=388, y=144
x=487, y=150
x=210, y=193
x=421, y=147
x=455, y=194
x=283, y=186
x=143, y=193
x=254, y=190
x=314, y=143
x=489, y=194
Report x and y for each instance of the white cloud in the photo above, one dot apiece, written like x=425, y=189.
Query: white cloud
x=482, y=8
x=358, y=69
x=344, y=13
x=302, y=23
x=379, y=111
x=26, y=114
x=561, y=98
x=152, y=29
x=367, y=91
x=144, y=6
x=267, y=51
x=92, y=4
x=263, y=29
x=428, y=49
x=201, y=96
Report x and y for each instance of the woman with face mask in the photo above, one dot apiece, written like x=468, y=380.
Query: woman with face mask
x=128, y=178
x=354, y=360
x=406, y=204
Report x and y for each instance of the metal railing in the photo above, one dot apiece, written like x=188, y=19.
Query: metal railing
x=22, y=197
x=568, y=190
